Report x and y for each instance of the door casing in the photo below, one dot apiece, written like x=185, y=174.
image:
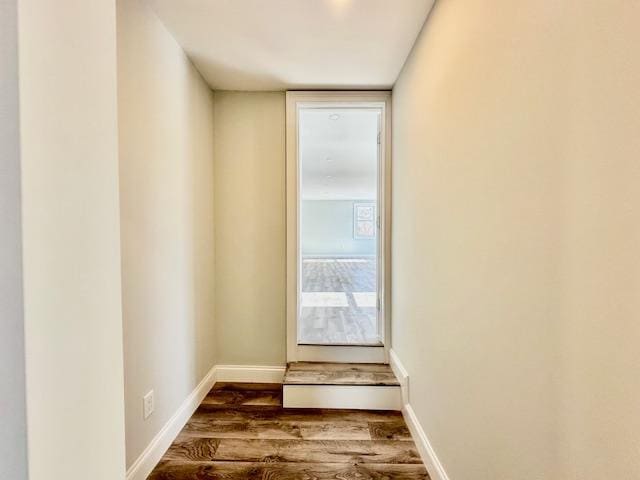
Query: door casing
x=328, y=99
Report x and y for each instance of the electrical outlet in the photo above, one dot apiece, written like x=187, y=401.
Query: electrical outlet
x=147, y=403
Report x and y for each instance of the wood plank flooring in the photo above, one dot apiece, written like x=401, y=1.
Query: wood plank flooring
x=241, y=431
x=349, y=322
x=313, y=373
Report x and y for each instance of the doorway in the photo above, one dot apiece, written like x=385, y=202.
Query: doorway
x=337, y=214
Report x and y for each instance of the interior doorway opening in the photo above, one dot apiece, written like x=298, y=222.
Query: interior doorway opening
x=337, y=183
x=338, y=204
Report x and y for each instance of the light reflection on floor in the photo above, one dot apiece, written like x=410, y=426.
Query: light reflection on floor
x=338, y=301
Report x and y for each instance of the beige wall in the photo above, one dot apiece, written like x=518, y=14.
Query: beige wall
x=601, y=239
x=515, y=231
x=166, y=180
x=250, y=227
x=71, y=239
x=13, y=435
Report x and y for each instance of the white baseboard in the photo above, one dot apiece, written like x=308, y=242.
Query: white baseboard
x=360, y=397
x=250, y=373
x=427, y=453
x=147, y=461
x=401, y=374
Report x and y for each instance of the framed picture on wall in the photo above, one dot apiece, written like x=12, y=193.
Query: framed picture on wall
x=364, y=221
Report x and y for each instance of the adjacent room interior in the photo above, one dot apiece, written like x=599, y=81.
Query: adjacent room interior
x=338, y=198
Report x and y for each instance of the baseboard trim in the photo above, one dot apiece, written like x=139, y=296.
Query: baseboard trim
x=401, y=374
x=427, y=453
x=250, y=373
x=146, y=462
x=425, y=449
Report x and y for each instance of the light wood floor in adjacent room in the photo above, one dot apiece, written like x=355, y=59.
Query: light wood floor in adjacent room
x=241, y=431
x=339, y=302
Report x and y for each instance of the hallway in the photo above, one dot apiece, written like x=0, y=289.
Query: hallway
x=241, y=432
x=319, y=239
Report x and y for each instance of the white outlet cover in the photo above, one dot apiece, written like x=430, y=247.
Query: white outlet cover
x=147, y=403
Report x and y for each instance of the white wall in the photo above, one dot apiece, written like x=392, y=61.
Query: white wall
x=166, y=186
x=250, y=227
x=516, y=222
x=13, y=435
x=71, y=242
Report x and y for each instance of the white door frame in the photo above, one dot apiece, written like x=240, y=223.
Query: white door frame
x=326, y=353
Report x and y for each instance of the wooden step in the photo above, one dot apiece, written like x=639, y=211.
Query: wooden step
x=310, y=373
x=341, y=385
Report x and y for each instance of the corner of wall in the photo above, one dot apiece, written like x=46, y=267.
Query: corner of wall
x=150, y=457
x=425, y=448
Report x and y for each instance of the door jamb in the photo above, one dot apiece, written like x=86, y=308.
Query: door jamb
x=365, y=354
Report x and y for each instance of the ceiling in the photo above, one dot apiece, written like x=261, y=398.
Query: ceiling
x=338, y=154
x=295, y=44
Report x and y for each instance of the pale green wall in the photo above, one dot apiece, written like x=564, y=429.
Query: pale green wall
x=250, y=245
x=13, y=434
x=166, y=193
x=326, y=228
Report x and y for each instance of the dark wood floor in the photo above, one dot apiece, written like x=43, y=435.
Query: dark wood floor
x=241, y=431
